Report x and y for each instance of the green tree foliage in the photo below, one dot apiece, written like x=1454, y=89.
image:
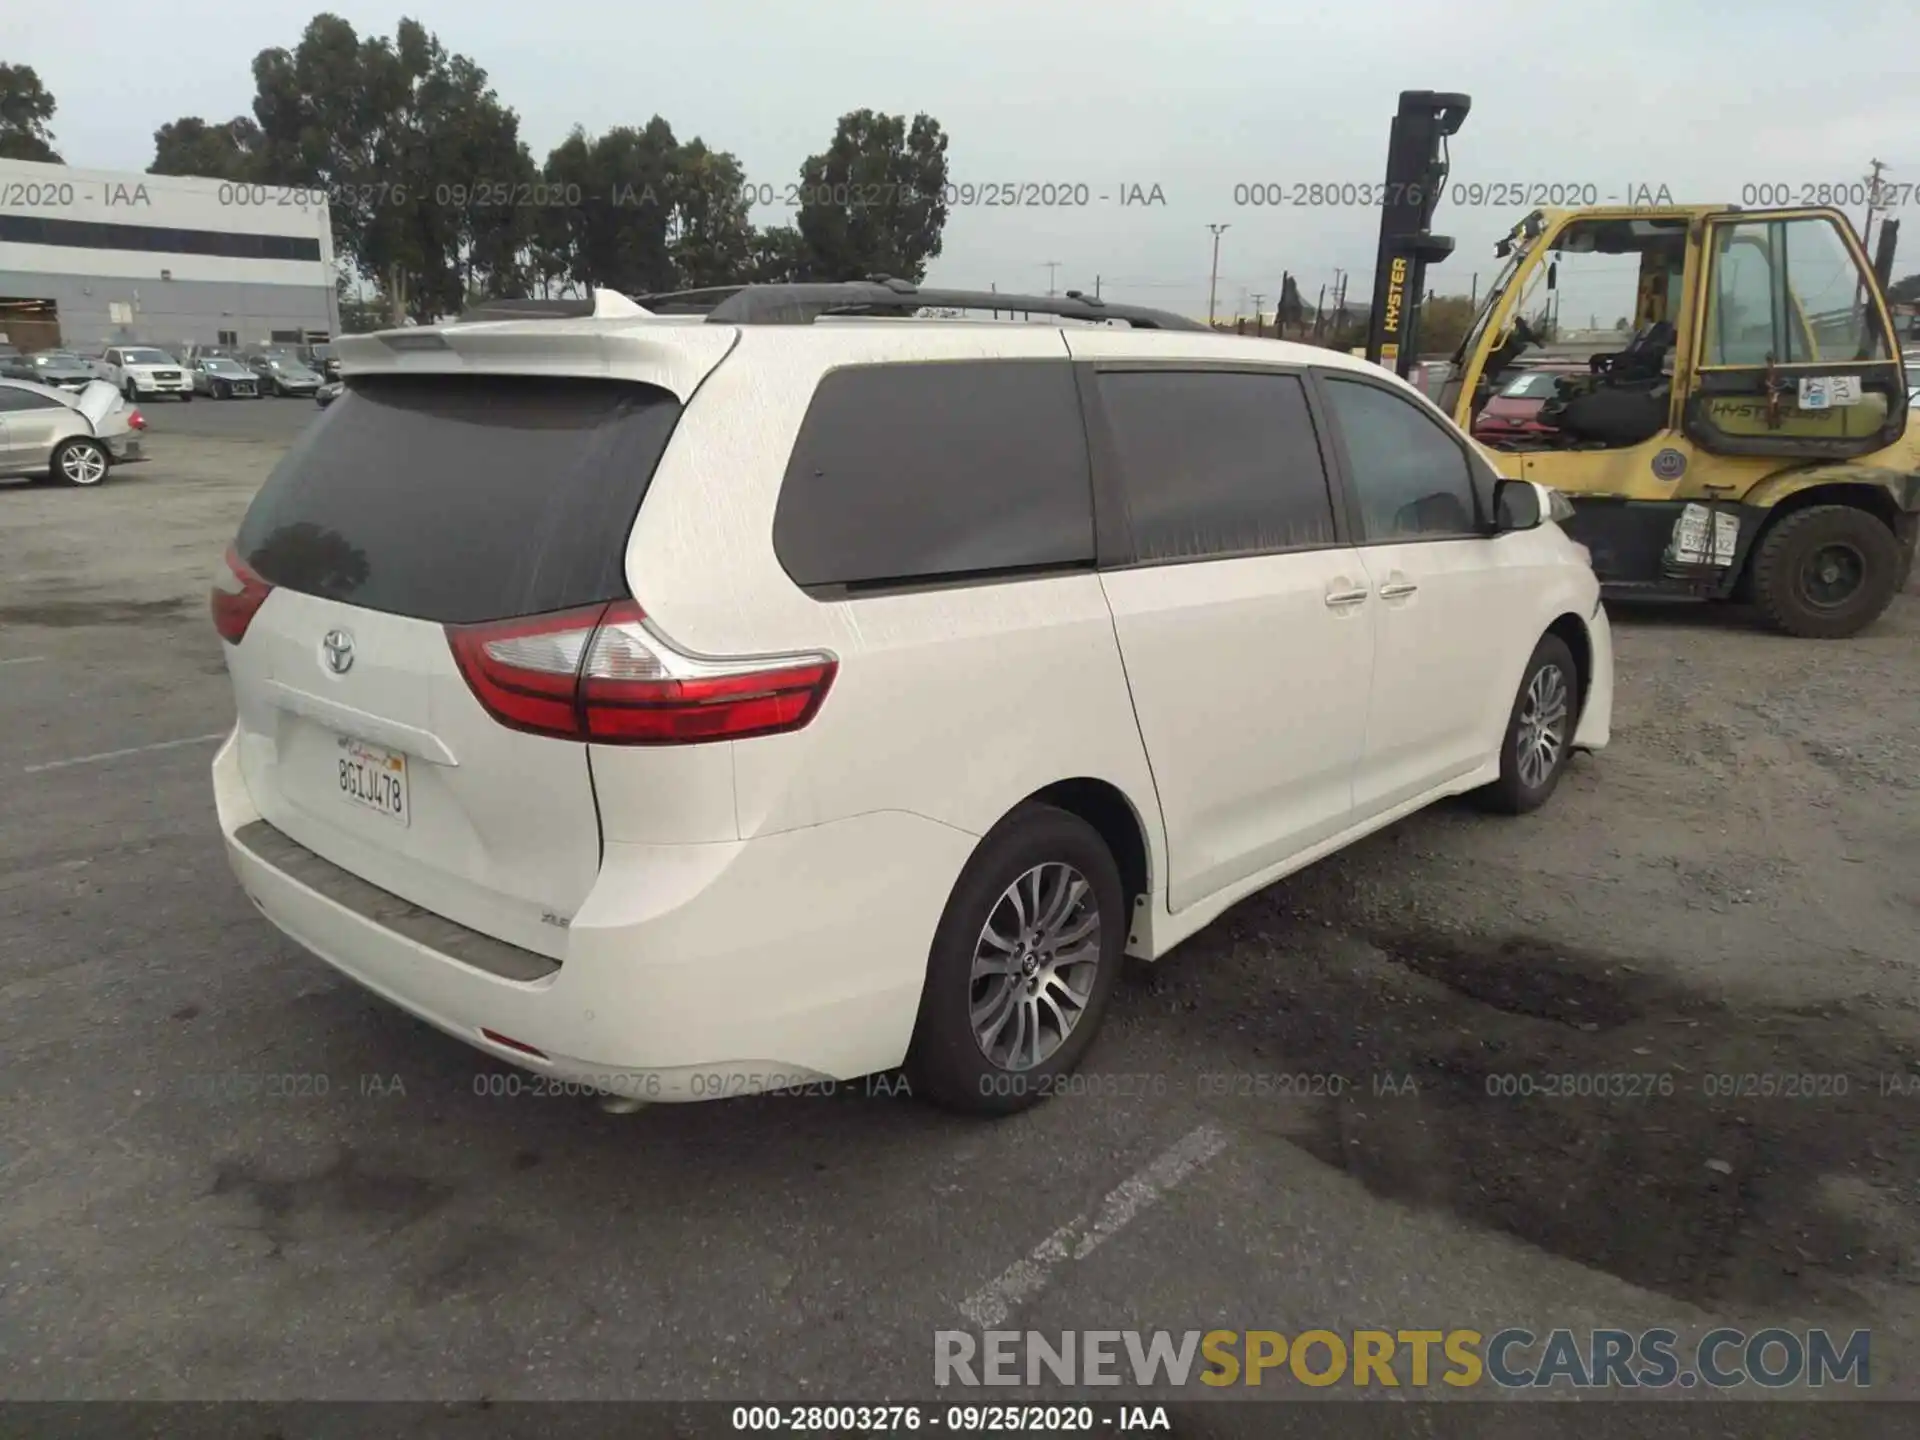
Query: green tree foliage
x=1906, y=290
x=435, y=199
x=25, y=109
x=1444, y=322
x=616, y=235
x=190, y=146
x=429, y=186
x=779, y=255
x=874, y=202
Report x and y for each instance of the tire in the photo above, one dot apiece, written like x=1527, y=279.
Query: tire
x=1826, y=572
x=80, y=462
x=186, y=397
x=131, y=392
x=946, y=1062
x=1522, y=785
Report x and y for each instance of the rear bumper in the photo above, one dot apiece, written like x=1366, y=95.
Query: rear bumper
x=691, y=972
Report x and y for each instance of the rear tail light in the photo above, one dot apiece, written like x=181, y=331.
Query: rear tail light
x=604, y=674
x=237, y=596
x=136, y=420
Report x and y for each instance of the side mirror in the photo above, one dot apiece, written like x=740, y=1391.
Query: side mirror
x=1517, y=505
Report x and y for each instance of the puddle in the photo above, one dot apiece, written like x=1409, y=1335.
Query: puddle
x=1703, y=1148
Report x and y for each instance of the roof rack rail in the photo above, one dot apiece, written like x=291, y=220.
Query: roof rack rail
x=804, y=302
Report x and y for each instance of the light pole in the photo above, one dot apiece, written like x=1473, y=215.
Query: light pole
x=1213, y=280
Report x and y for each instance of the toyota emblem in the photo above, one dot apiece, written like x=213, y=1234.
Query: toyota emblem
x=336, y=648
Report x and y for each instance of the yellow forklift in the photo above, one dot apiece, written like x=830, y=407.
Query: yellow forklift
x=1739, y=432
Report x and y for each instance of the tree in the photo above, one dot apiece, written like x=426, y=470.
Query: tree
x=778, y=255
x=874, y=202
x=613, y=233
x=1905, y=291
x=423, y=167
x=1444, y=322
x=25, y=109
x=708, y=232
x=643, y=212
x=190, y=146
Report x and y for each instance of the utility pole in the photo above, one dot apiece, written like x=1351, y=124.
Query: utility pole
x=993, y=287
x=1320, y=311
x=1258, y=321
x=1873, y=201
x=1213, y=279
x=1052, y=265
x=1473, y=304
x=1096, y=287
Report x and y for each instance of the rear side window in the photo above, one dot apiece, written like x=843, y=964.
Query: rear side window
x=460, y=498
x=937, y=470
x=1217, y=463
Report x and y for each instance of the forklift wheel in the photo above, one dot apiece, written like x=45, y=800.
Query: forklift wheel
x=1826, y=572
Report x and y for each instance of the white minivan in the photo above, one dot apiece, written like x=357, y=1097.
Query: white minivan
x=698, y=705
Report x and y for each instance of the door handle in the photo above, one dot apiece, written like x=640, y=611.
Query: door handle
x=1397, y=589
x=1339, y=599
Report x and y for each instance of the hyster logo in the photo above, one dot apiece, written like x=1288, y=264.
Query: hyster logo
x=1396, y=289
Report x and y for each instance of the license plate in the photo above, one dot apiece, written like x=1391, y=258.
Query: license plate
x=373, y=778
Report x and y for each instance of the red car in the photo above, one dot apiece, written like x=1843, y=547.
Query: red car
x=1514, y=411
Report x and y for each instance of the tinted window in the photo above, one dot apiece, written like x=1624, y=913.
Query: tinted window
x=462, y=498
x=905, y=472
x=1408, y=472
x=1217, y=463
x=93, y=235
x=12, y=399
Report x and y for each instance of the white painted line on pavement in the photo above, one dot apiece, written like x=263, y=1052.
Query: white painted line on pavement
x=22, y=660
x=1079, y=1237
x=116, y=754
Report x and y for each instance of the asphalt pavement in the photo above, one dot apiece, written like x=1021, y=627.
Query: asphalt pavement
x=230, y=1173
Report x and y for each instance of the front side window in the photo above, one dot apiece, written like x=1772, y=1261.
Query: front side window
x=1407, y=471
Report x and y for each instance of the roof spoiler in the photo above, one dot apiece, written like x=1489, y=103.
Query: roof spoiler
x=602, y=305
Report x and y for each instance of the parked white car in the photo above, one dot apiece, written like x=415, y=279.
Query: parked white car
x=141, y=372
x=693, y=709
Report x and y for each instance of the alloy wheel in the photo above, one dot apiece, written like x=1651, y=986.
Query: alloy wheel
x=1540, y=736
x=1034, y=966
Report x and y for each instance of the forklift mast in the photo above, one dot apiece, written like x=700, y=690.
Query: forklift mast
x=1416, y=177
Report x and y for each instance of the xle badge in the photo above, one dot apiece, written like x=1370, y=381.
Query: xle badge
x=1669, y=464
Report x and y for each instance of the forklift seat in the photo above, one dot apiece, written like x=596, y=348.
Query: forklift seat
x=1641, y=361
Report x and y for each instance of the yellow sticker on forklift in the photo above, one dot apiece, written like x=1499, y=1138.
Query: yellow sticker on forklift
x=1825, y=392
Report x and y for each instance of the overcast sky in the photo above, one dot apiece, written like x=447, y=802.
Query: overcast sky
x=1703, y=96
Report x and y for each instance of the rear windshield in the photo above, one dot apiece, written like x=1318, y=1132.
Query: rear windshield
x=461, y=498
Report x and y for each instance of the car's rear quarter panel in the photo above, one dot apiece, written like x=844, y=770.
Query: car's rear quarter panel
x=952, y=704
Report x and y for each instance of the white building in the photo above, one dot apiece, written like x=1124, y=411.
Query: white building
x=91, y=257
